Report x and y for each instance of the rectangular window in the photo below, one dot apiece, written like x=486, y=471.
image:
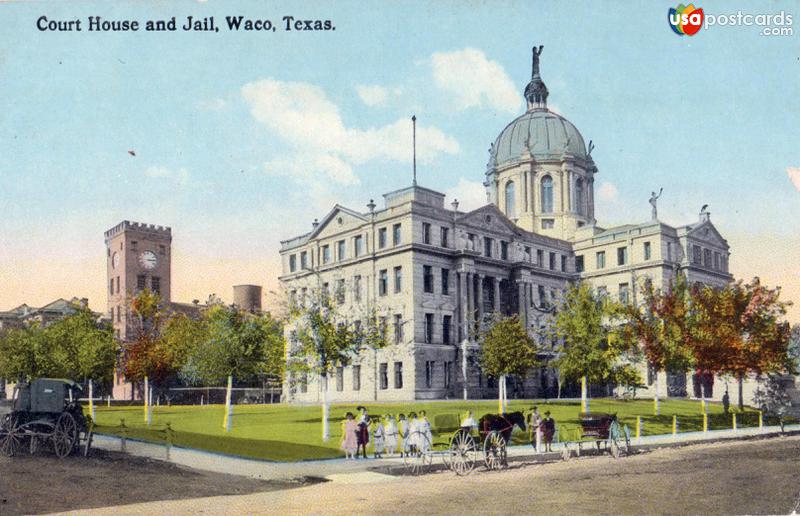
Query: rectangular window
x=426, y=233
x=155, y=284
x=340, y=291
x=429, y=328
x=528, y=256
x=356, y=377
x=716, y=260
x=540, y=258
x=340, y=379
x=427, y=278
x=383, y=282
x=292, y=263
x=623, y=293
x=133, y=245
x=304, y=260
x=398, y=328
x=340, y=250
x=384, y=376
x=325, y=292
x=552, y=261
x=669, y=251
x=447, y=320
x=697, y=254
x=326, y=253
x=111, y=286
x=503, y=250
x=358, y=245
x=471, y=239
x=119, y=313
x=429, y=369
x=542, y=297
x=396, y=234
x=579, y=263
x=381, y=238
x=601, y=259
x=398, y=279
x=445, y=282
x=647, y=250
x=548, y=223
x=117, y=284
x=448, y=374
x=357, y=288
x=444, y=235
x=141, y=282
x=487, y=247
x=707, y=257
x=162, y=250
x=622, y=255
x=563, y=263
x=398, y=375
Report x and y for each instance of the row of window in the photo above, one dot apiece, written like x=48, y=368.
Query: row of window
x=546, y=197
x=141, y=284
x=431, y=369
x=357, y=249
x=383, y=377
x=708, y=258
x=447, y=328
x=623, y=292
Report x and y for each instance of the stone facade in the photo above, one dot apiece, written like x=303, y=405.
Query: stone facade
x=515, y=255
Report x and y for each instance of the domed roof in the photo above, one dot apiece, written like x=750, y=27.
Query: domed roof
x=546, y=134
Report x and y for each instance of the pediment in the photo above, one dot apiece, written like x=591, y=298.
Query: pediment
x=338, y=220
x=706, y=232
x=491, y=219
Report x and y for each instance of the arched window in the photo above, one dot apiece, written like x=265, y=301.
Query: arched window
x=547, y=194
x=510, y=207
x=580, y=197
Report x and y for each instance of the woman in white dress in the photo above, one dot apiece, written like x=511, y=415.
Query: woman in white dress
x=425, y=428
x=402, y=431
x=412, y=443
x=391, y=434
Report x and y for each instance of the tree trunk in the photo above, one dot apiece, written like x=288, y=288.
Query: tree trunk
x=145, y=399
x=585, y=394
x=501, y=387
x=229, y=404
x=559, y=386
x=656, y=399
x=91, y=401
x=326, y=434
x=374, y=375
x=741, y=393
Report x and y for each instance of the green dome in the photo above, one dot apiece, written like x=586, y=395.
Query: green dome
x=547, y=135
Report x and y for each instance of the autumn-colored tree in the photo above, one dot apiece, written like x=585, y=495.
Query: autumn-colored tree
x=662, y=327
x=592, y=345
x=145, y=354
x=506, y=349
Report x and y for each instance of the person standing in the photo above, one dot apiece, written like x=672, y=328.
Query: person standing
x=536, y=429
x=378, y=437
x=402, y=431
x=391, y=434
x=363, y=432
x=349, y=436
x=548, y=431
x=726, y=402
x=425, y=429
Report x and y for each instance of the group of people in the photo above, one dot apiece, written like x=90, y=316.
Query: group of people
x=542, y=429
x=388, y=434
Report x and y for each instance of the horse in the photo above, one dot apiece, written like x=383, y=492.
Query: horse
x=502, y=423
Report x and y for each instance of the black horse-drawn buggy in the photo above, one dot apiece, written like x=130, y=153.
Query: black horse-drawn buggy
x=46, y=412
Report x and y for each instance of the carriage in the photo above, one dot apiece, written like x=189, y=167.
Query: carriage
x=605, y=431
x=46, y=412
x=467, y=446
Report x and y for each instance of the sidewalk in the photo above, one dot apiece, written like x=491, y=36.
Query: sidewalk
x=341, y=470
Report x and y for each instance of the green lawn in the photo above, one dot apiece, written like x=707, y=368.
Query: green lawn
x=293, y=433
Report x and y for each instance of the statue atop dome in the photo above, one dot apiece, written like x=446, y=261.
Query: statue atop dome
x=536, y=91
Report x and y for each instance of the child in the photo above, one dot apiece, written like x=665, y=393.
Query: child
x=378, y=437
x=412, y=441
x=391, y=434
x=363, y=432
x=425, y=429
x=402, y=431
x=349, y=431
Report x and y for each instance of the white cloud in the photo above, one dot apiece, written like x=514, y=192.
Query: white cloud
x=372, y=95
x=794, y=175
x=607, y=192
x=181, y=176
x=472, y=80
x=303, y=116
x=470, y=194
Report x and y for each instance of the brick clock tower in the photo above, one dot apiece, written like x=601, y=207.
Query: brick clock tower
x=138, y=256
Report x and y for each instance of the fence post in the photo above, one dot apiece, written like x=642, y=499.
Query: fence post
x=734, y=421
x=674, y=426
x=638, y=428
x=124, y=433
x=168, y=432
x=91, y=399
x=760, y=420
x=705, y=422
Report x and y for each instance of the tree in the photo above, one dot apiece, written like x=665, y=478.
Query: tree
x=506, y=349
x=324, y=339
x=144, y=356
x=75, y=347
x=662, y=327
x=591, y=344
x=741, y=331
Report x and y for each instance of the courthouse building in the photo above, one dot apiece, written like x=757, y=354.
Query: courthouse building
x=432, y=271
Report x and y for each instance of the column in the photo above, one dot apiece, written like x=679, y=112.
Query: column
x=470, y=304
x=462, y=295
x=496, y=285
x=480, y=297
x=522, y=304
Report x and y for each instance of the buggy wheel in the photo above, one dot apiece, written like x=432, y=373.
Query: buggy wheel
x=494, y=451
x=463, y=453
x=10, y=436
x=65, y=435
x=419, y=455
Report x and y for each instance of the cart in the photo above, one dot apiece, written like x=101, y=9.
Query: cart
x=46, y=413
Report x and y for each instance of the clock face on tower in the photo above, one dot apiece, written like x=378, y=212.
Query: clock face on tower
x=115, y=260
x=148, y=260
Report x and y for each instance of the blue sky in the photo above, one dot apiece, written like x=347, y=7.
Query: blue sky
x=241, y=139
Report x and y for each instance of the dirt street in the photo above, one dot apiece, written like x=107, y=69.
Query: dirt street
x=43, y=483
x=746, y=477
